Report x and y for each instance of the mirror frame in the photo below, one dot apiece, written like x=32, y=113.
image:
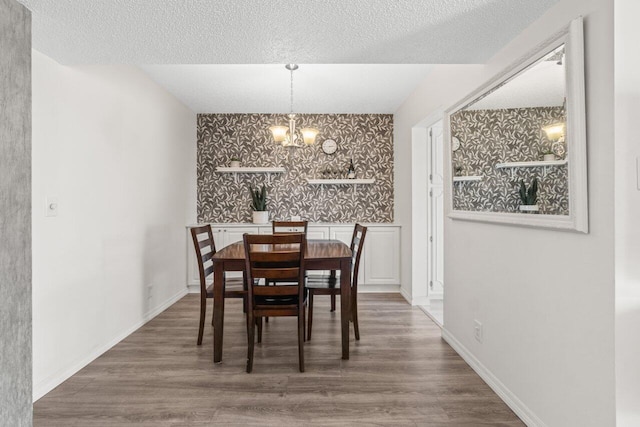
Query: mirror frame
x=572, y=37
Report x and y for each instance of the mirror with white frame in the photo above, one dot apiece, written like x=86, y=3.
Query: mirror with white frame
x=517, y=145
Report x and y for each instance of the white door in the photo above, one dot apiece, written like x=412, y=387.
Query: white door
x=436, y=211
x=382, y=256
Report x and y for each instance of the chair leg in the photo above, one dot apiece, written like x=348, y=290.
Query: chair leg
x=304, y=322
x=203, y=314
x=333, y=302
x=251, y=324
x=310, y=315
x=354, y=316
x=259, y=323
x=301, y=338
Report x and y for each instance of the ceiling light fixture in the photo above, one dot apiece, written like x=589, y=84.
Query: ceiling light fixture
x=286, y=135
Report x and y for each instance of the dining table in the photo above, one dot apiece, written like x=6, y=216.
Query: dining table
x=332, y=255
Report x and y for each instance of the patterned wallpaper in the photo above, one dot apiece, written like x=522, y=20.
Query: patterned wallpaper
x=367, y=138
x=488, y=137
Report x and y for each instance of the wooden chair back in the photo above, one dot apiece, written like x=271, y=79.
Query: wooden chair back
x=288, y=227
x=274, y=258
x=357, y=245
x=205, y=250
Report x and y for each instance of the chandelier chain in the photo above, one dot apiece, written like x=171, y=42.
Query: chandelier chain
x=291, y=91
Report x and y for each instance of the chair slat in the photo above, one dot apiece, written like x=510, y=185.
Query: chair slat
x=276, y=256
x=275, y=290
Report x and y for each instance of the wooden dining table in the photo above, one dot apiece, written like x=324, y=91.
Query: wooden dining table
x=319, y=255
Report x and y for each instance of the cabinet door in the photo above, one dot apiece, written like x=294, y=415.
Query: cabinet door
x=265, y=230
x=193, y=277
x=317, y=233
x=382, y=256
x=233, y=235
x=344, y=234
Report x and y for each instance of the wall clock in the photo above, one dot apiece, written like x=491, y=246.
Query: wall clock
x=329, y=146
x=455, y=144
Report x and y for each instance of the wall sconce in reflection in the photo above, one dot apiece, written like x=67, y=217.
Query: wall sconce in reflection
x=555, y=133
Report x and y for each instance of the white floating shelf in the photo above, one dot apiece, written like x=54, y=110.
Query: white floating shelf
x=236, y=171
x=222, y=169
x=340, y=181
x=534, y=164
x=467, y=178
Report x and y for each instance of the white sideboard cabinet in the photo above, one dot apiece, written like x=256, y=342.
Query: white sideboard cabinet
x=379, y=265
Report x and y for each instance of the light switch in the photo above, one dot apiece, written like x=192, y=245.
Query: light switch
x=51, y=206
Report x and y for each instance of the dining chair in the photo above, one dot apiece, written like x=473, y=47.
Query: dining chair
x=275, y=257
x=205, y=250
x=330, y=285
x=287, y=227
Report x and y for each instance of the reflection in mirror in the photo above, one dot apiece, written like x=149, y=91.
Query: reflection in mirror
x=509, y=152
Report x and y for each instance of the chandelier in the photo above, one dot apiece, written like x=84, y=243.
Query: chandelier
x=286, y=135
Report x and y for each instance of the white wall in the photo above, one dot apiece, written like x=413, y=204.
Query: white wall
x=119, y=152
x=545, y=298
x=627, y=208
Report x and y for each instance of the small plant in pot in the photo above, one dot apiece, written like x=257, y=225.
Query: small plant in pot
x=548, y=155
x=259, y=205
x=529, y=196
x=235, y=162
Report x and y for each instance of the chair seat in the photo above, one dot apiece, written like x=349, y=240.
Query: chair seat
x=234, y=288
x=278, y=299
x=323, y=282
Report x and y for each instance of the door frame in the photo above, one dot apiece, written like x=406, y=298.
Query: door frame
x=420, y=207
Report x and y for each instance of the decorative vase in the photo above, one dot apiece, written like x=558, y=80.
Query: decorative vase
x=529, y=208
x=549, y=157
x=260, y=217
x=235, y=163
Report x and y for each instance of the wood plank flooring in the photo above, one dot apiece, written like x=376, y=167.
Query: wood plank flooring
x=400, y=373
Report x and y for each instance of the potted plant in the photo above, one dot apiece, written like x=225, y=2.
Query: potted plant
x=259, y=205
x=235, y=162
x=529, y=197
x=548, y=155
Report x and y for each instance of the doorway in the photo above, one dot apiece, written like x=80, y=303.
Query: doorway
x=435, y=223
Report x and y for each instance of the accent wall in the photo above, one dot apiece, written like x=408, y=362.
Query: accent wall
x=365, y=138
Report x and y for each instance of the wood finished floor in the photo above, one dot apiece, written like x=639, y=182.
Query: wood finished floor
x=400, y=373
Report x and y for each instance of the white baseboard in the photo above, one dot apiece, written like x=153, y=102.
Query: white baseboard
x=431, y=316
x=406, y=295
x=58, y=378
x=526, y=415
x=379, y=289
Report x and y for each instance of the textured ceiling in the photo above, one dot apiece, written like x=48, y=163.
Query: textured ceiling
x=277, y=31
x=184, y=38
x=335, y=88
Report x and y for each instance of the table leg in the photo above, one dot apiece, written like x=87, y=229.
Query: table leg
x=218, y=311
x=345, y=306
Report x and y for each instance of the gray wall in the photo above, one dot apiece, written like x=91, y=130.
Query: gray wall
x=15, y=214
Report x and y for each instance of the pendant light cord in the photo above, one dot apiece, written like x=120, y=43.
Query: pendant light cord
x=291, y=91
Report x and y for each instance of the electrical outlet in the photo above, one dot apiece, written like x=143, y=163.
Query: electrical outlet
x=477, y=330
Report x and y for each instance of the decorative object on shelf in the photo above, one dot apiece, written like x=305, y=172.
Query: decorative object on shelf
x=455, y=144
x=234, y=162
x=259, y=205
x=555, y=133
x=351, y=172
x=467, y=178
x=286, y=135
x=329, y=146
x=529, y=197
x=548, y=155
